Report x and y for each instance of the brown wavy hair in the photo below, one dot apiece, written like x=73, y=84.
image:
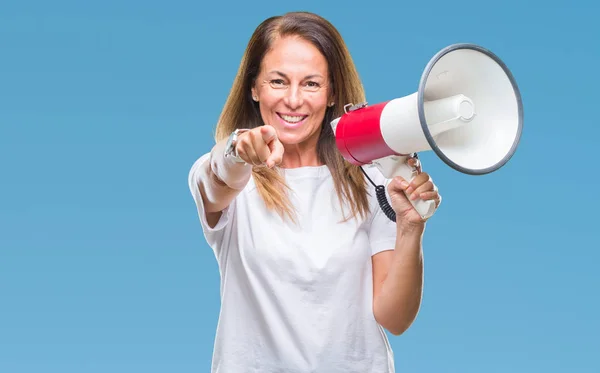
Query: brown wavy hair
x=240, y=111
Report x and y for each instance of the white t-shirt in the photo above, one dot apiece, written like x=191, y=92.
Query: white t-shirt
x=297, y=298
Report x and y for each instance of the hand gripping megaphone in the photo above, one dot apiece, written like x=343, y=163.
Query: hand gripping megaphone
x=467, y=109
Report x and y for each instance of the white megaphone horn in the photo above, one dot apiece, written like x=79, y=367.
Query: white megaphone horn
x=468, y=110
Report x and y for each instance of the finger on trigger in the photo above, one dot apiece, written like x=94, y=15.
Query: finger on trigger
x=415, y=183
x=419, y=180
x=425, y=187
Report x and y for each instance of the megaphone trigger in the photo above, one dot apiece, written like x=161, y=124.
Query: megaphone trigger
x=416, y=162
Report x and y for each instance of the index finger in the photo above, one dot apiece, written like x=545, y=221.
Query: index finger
x=268, y=133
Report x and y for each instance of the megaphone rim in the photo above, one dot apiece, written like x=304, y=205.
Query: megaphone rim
x=421, y=110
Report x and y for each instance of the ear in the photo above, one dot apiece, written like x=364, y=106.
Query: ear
x=330, y=100
x=330, y=97
x=254, y=94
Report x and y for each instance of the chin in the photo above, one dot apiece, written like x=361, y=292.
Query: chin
x=289, y=139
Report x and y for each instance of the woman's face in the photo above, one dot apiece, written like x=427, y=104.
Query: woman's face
x=292, y=90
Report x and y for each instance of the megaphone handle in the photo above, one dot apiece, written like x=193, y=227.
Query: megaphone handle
x=393, y=166
x=423, y=207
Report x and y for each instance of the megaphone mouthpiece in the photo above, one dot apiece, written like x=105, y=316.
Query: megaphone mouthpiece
x=448, y=113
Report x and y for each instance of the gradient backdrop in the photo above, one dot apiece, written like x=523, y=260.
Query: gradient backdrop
x=104, y=106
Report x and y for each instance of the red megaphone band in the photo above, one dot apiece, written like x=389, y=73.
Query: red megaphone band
x=358, y=135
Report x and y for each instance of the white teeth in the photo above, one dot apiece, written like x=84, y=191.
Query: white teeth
x=292, y=119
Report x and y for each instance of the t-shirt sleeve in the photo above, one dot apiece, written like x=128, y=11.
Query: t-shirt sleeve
x=214, y=234
x=382, y=231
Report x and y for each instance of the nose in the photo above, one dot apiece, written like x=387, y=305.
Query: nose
x=293, y=98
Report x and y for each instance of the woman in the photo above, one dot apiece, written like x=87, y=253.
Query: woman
x=311, y=269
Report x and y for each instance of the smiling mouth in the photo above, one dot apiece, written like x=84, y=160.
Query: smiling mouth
x=292, y=119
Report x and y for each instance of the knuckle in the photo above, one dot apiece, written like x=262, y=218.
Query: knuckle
x=243, y=141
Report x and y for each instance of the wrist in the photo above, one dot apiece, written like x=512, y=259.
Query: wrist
x=410, y=228
x=230, y=172
x=230, y=151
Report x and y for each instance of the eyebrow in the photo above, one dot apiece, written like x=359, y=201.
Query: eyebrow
x=285, y=76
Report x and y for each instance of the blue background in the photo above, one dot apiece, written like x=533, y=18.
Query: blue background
x=104, y=106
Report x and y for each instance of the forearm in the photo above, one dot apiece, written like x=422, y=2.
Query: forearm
x=222, y=179
x=397, y=303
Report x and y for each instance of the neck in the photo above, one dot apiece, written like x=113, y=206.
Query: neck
x=300, y=155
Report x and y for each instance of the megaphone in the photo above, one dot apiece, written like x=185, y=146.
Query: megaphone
x=467, y=109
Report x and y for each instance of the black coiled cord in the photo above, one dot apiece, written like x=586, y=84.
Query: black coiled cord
x=382, y=199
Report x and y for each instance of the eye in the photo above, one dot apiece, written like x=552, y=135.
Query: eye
x=277, y=83
x=312, y=86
